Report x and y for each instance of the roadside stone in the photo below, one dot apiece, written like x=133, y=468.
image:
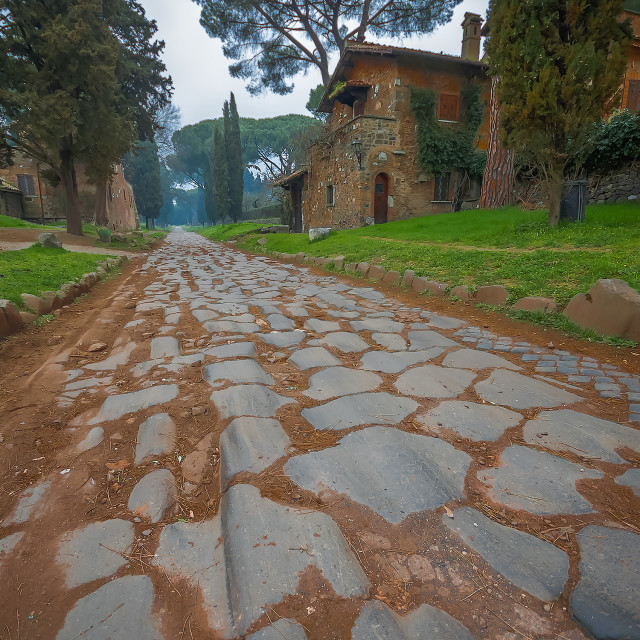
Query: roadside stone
x=154, y=495
x=10, y=320
x=376, y=272
x=519, y=483
x=363, y=268
x=362, y=408
x=419, y=284
x=537, y=567
x=461, y=292
x=473, y=359
x=338, y=262
x=420, y=340
x=319, y=233
x=388, y=470
x=92, y=439
x=630, y=478
x=237, y=372
x=30, y=505
x=478, y=422
x=119, y=610
x=248, y=400
x=115, y=407
x=36, y=304
x=262, y=241
x=521, y=392
x=350, y=267
x=313, y=357
x=96, y=346
x=83, y=553
x=532, y=303
x=341, y=381
x=494, y=294
x=280, y=629
x=344, y=341
x=431, y=381
x=49, y=240
x=394, y=362
x=392, y=278
x=156, y=438
x=283, y=338
x=606, y=599
x=407, y=278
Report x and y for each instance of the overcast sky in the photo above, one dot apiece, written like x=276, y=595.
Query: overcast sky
x=200, y=70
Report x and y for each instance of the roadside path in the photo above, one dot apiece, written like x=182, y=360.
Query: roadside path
x=263, y=452
x=14, y=246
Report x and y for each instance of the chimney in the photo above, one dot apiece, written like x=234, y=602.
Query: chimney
x=471, y=28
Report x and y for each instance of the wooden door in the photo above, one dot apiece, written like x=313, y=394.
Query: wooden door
x=381, y=198
x=296, y=197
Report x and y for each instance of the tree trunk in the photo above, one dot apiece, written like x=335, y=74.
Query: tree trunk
x=68, y=180
x=100, y=207
x=497, y=185
x=146, y=222
x=555, y=198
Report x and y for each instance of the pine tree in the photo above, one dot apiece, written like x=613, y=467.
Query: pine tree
x=560, y=64
x=235, y=165
x=220, y=176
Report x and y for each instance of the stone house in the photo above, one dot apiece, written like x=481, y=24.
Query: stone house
x=44, y=203
x=10, y=199
x=364, y=169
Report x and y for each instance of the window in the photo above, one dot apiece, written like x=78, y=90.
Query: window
x=331, y=195
x=633, y=96
x=26, y=184
x=441, y=187
x=448, y=108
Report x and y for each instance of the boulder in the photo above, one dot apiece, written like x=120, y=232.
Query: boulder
x=363, y=268
x=10, y=318
x=533, y=303
x=419, y=284
x=319, y=233
x=392, y=278
x=494, y=294
x=407, y=278
x=461, y=292
x=338, y=262
x=435, y=288
x=49, y=240
x=262, y=241
x=610, y=308
x=53, y=298
x=350, y=267
x=299, y=257
x=376, y=272
x=27, y=318
x=36, y=304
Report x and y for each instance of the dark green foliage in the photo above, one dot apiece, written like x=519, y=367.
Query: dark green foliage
x=614, y=143
x=142, y=170
x=235, y=164
x=443, y=147
x=315, y=95
x=221, y=176
x=632, y=5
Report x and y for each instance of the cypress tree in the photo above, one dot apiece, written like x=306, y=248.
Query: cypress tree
x=220, y=174
x=235, y=164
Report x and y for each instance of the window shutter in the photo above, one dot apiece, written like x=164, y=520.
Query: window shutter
x=26, y=184
x=633, y=96
x=448, y=108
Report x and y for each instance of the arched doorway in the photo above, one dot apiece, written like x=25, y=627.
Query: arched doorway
x=381, y=198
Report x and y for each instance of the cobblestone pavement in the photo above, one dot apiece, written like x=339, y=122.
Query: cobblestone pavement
x=277, y=454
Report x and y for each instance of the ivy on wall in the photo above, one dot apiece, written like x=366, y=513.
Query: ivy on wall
x=444, y=147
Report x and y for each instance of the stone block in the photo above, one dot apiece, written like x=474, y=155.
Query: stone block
x=299, y=257
x=351, y=267
x=27, y=317
x=533, y=303
x=363, y=268
x=12, y=319
x=36, y=304
x=419, y=284
x=338, y=262
x=49, y=240
x=461, y=292
x=435, y=288
x=262, y=241
x=376, y=272
x=319, y=233
x=611, y=308
x=494, y=294
x=407, y=278
x=53, y=298
x=392, y=278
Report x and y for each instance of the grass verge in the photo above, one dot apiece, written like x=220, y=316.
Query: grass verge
x=228, y=232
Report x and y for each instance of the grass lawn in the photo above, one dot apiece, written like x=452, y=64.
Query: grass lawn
x=16, y=223
x=226, y=232
x=35, y=270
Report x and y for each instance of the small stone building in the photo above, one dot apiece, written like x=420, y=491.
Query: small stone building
x=364, y=169
x=10, y=199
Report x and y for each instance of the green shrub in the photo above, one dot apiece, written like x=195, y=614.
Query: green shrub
x=104, y=234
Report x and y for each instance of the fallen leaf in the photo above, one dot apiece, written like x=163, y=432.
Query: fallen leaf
x=117, y=466
x=449, y=512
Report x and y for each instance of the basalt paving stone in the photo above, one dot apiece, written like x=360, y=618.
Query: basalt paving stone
x=521, y=392
x=390, y=471
x=235, y=350
x=472, y=359
x=313, y=357
x=202, y=315
x=115, y=407
x=8, y=544
x=31, y=504
x=229, y=308
x=378, y=622
x=390, y=341
x=278, y=322
x=567, y=430
x=154, y=495
x=156, y=437
x=630, y=478
x=341, y=381
x=251, y=444
x=431, y=381
x=84, y=555
x=118, y=357
x=87, y=383
x=479, y=422
x=445, y=322
x=252, y=554
x=344, y=314
x=537, y=482
x=248, y=400
x=283, y=338
x=606, y=599
x=296, y=310
x=367, y=293
x=283, y=628
x=420, y=340
x=343, y=341
x=531, y=564
x=236, y=371
x=92, y=439
x=361, y=408
x=321, y=326
x=394, y=362
x=381, y=325
x=165, y=347
x=119, y=610
x=229, y=326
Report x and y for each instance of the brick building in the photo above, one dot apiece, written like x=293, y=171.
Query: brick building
x=41, y=202
x=631, y=97
x=364, y=168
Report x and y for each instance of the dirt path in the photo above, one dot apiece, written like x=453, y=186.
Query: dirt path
x=14, y=246
x=216, y=445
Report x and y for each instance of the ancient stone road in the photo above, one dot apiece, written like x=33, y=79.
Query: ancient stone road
x=266, y=453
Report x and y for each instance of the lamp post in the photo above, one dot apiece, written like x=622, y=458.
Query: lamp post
x=357, y=149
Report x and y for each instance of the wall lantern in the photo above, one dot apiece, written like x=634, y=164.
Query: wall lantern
x=357, y=149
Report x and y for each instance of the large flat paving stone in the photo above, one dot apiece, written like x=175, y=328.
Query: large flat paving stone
x=91, y=440
x=379, y=325
x=445, y=322
x=630, y=478
x=420, y=340
x=377, y=621
x=431, y=381
x=119, y=356
x=361, y=408
x=235, y=350
x=231, y=326
x=521, y=392
x=394, y=362
x=251, y=444
x=156, y=437
x=164, y=347
x=390, y=341
x=531, y=564
x=321, y=326
x=278, y=322
x=283, y=338
x=249, y=400
x=280, y=629
x=341, y=381
x=8, y=544
x=471, y=420
x=567, y=430
x=537, y=482
x=343, y=341
x=474, y=359
x=237, y=372
x=252, y=554
x=313, y=357
x=606, y=599
x=390, y=471
x=119, y=610
x=115, y=407
x=30, y=505
x=154, y=495
x=94, y=551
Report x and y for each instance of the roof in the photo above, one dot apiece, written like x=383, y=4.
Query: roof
x=6, y=185
x=370, y=48
x=292, y=177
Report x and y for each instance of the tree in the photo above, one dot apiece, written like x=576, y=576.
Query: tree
x=235, y=163
x=221, y=177
x=560, y=63
x=273, y=40
x=168, y=121
x=142, y=170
